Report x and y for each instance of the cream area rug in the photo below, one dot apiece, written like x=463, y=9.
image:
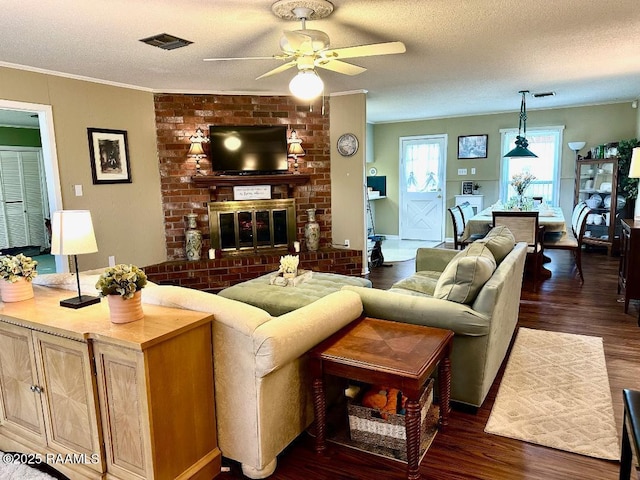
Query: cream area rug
x=555, y=392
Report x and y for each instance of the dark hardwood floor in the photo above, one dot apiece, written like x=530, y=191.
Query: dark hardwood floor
x=464, y=451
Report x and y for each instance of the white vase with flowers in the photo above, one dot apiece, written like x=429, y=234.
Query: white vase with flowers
x=17, y=272
x=121, y=284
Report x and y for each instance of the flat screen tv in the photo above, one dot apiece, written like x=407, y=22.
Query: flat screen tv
x=246, y=150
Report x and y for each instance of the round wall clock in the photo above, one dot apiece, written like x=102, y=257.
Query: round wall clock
x=347, y=144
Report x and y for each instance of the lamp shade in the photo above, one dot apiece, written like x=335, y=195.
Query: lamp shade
x=521, y=149
x=196, y=150
x=634, y=168
x=306, y=85
x=575, y=146
x=295, y=149
x=72, y=233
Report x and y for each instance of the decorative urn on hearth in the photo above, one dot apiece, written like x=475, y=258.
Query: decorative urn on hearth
x=192, y=238
x=312, y=231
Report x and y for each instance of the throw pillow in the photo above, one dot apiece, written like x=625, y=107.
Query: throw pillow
x=465, y=274
x=424, y=282
x=500, y=241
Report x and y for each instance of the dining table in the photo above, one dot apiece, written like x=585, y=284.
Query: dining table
x=551, y=218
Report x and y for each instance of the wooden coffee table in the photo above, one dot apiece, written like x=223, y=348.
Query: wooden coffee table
x=397, y=354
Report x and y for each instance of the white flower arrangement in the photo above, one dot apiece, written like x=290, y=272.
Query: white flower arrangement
x=289, y=264
x=12, y=268
x=124, y=280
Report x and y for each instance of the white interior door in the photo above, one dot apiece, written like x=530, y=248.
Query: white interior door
x=422, y=172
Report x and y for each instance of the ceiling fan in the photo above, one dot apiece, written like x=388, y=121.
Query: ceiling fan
x=309, y=49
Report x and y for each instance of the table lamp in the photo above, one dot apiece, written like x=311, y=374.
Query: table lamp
x=72, y=234
x=634, y=172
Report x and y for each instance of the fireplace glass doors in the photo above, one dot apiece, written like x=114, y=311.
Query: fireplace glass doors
x=252, y=225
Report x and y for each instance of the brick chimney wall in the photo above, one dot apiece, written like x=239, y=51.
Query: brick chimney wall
x=177, y=118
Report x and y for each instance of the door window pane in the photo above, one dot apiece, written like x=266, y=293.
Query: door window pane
x=421, y=167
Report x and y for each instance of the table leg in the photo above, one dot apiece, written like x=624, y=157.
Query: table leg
x=444, y=386
x=625, y=455
x=320, y=411
x=412, y=426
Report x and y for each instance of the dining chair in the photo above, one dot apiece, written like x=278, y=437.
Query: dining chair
x=571, y=239
x=467, y=213
x=525, y=227
x=458, y=227
x=459, y=223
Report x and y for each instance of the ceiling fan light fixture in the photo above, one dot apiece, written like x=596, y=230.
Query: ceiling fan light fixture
x=306, y=85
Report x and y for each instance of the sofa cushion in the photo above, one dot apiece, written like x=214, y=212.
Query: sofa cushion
x=465, y=274
x=423, y=282
x=500, y=241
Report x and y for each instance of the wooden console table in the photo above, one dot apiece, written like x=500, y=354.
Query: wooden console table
x=628, y=273
x=397, y=354
x=124, y=401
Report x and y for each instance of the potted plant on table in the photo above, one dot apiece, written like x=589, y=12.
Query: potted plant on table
x=17, y=272
x=121, y=284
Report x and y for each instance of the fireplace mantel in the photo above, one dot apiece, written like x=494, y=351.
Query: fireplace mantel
x=214, y=181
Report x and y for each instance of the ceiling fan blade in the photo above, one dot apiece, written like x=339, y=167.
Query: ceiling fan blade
x=296, y=42
x=387, y=48
x=279, y=69
x=272, y=57
x=340, y=67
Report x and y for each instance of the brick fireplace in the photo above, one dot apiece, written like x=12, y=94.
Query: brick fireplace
x=251, y=226
x=177, y=118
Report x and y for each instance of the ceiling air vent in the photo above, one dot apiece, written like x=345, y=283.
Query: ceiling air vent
x=543, y=94
x=166, y=41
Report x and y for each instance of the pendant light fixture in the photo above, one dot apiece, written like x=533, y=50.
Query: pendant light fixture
x=521, y=149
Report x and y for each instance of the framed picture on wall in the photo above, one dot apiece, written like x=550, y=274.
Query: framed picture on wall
x=472, y=146
x=467, y=187
x=109, y=152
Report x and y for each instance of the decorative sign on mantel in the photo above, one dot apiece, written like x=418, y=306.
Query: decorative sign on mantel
x=252, y=192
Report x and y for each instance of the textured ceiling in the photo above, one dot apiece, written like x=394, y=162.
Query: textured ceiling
x=463, y=57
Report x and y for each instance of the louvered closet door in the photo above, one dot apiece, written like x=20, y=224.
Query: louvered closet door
x=32, y=177
x=21, y=193
x=16, y=222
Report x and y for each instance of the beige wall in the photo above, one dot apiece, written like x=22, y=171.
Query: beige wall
x=348, y=115
x=127, y=218
x=595, y=125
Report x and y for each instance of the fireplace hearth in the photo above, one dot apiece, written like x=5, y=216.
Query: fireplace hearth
x=242, y=226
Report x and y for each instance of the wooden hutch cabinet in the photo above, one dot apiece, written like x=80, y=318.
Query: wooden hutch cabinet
x=130, y=401
x=596, y=184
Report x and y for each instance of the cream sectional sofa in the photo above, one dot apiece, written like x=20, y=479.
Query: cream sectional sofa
x=263, y=393
x=474, y=292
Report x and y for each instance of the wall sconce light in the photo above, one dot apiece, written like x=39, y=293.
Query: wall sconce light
x=196, y=150
x=72, y=234
x=295, y=150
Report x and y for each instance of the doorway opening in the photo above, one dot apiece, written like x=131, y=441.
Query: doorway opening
x=50, y=180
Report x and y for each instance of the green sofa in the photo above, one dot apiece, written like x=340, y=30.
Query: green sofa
x=483, y=326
